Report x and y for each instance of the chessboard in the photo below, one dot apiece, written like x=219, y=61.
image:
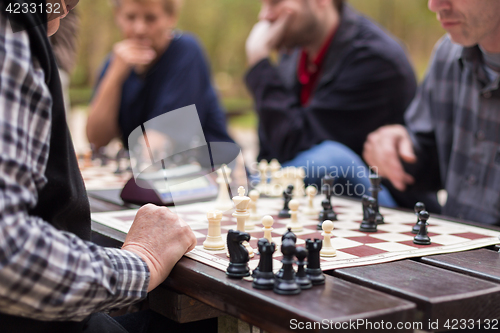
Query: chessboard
x=392, y=241
x=103, y=177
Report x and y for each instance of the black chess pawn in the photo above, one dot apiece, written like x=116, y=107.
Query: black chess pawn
x=375, y=188
x=326, y=214
x=263, y=274
x=369, y=223
x=287, y=285
x=287, y=197
x=238, y=254
x=287, y=235
x=313, y=269
x=419, y=206
x=422, y=238
x=301, y=277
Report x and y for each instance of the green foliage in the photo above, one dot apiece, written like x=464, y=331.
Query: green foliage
x=222, y=26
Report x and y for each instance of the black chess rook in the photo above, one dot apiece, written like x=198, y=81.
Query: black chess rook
x=263, y=274
x=313, y=270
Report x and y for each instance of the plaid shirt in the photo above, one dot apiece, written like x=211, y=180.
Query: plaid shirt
x=454, y=122
x=45, y=273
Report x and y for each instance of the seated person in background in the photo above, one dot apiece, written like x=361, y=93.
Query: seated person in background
x=451, y=139
x=154, y=70
x=340, y=78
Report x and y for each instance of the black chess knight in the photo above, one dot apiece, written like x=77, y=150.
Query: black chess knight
x=238, y=254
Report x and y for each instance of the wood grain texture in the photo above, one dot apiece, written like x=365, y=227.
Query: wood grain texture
x=482, y=263
x=439, y=293
x=337, y=300
x=179, y=307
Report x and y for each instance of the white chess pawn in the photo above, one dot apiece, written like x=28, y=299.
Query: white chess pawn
x=214, y=239
x=254, y=197
x=241, y=214
x=267, y=222
x=223, y=202
x=311, y=192
x=327, y=250
x=294, y=220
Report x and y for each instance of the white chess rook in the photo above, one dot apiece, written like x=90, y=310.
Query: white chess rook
x=327, y=250
x=294, y=220
x=214, y=239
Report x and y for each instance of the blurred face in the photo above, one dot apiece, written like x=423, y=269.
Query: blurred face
x=147, y=22
x=303, y=19
x=469, y=22
x=59, y=10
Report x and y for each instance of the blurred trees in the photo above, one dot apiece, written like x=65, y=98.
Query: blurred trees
x=223, y=25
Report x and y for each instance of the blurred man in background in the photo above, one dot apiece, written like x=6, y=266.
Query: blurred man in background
x=340, y=77
x=451, y=139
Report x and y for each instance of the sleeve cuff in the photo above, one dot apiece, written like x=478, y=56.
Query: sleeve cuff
x=133, y=275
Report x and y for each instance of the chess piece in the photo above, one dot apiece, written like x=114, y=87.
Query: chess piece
x=238, y=254
x=214, y=239
x=287, y=235
x=274, y=185
x=241, y=214
x=369, y=223
x=326, y=214
x=254, y=197
x=286, y=285
x=223, y=202
x=327, y=250
x=294, y=221
x=375, y=188
x=311, y=192
x=419, y=206
x=313, y=269
x=267, y=222
x=287, y=197
x=263, y=186
x=263, y=274
x=301, y=277
x=422, y=238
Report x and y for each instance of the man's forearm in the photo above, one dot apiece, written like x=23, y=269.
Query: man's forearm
x=102, y=123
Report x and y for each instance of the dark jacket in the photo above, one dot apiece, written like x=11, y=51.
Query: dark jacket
x=366, y=82
x=63, y=200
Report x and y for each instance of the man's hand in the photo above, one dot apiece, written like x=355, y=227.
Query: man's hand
x=384, y=148
x=131, y=53
x=265, y=37
x=160, y=238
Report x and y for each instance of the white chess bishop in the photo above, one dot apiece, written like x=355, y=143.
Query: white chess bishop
x=311, y=192
x=241, y=214
x=294, y=219
x=223, y=202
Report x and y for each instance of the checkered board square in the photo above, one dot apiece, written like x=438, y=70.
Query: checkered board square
x=392, y=241
x=97, y=177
